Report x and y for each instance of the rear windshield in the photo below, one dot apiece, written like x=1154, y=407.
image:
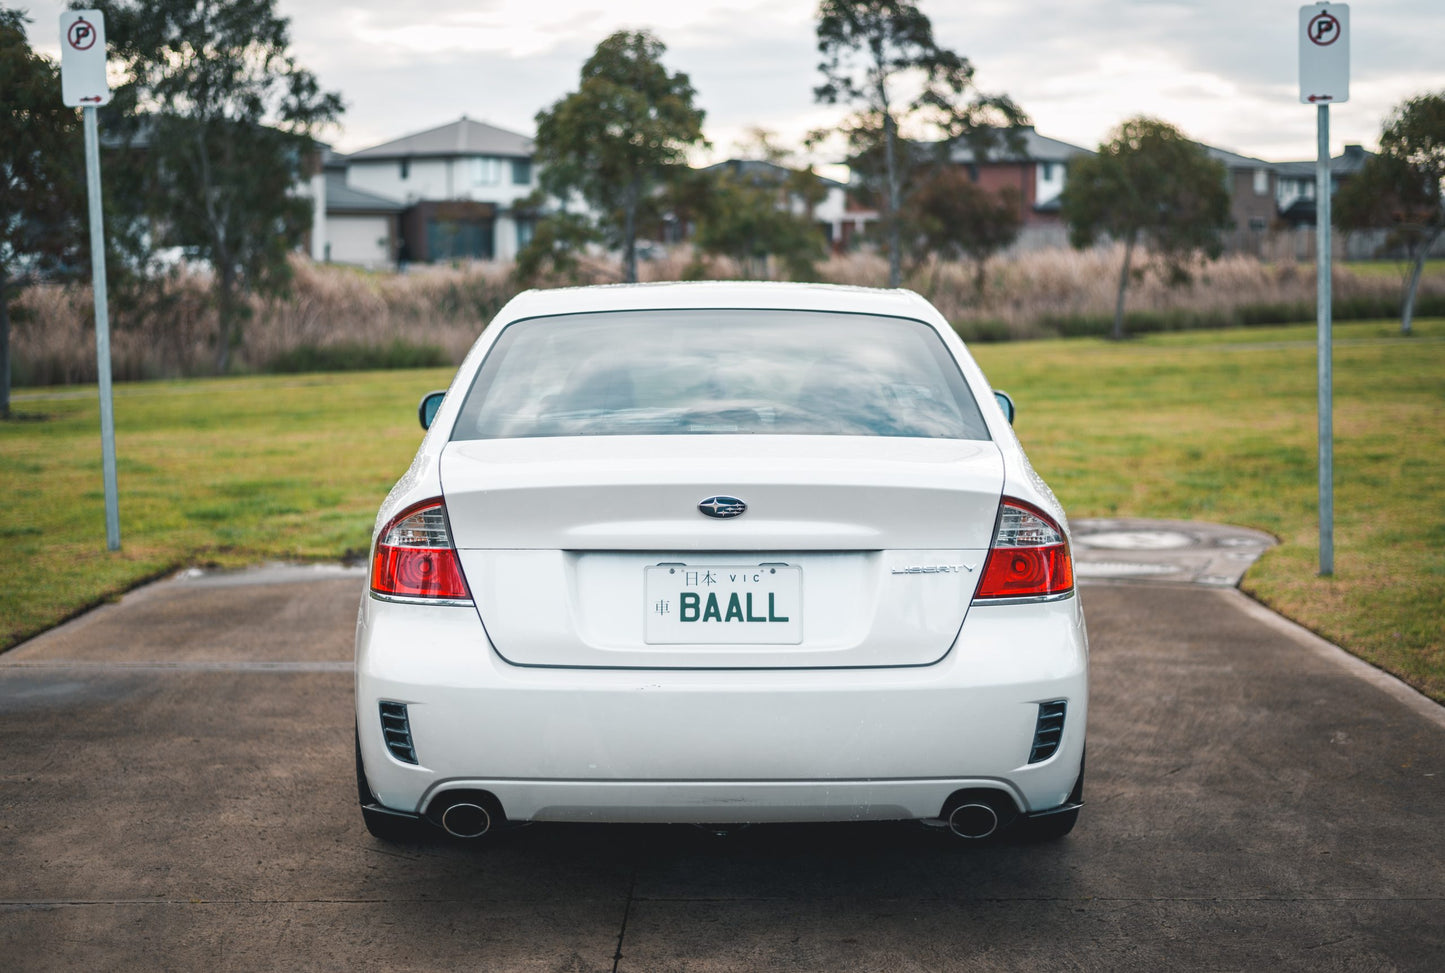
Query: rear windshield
x=700, y=372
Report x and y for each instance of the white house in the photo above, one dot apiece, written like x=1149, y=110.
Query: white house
x=350, y=226
x=457, y=184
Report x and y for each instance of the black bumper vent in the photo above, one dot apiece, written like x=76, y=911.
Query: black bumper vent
x=397, y=731
x=1049, y=731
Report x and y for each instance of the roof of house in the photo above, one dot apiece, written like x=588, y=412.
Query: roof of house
x=341, y=198
x=761, y=170
x=1233, y=160
x=1351, y=161
x=461, y=137
x=1033, y=147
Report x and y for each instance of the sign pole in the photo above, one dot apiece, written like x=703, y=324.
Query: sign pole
x=102, y=329
x=1324, y=78
x=83, y=85
x=1324, y=313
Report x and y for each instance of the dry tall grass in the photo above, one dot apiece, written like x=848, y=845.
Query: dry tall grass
x=437, y=310
x=1038, y=294
x=336, y=317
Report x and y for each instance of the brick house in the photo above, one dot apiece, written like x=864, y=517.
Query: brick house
x=1037, y=168
x=1251, y=186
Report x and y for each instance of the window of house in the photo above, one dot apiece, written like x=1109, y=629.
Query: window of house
x=521, y=172
x=1048, y=172
x=486, y=171
x=1261, y=182
x=405, y=168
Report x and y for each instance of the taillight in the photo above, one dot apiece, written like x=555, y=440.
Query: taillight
x=1029, y=557
x=415, y=557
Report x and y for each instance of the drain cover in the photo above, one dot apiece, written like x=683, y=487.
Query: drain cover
x=1136, y=540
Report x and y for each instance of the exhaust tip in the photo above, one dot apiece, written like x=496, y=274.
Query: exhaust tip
x=974, y=821
x=466, y=820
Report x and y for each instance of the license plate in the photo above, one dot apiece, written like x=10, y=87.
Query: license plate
x=724, y=604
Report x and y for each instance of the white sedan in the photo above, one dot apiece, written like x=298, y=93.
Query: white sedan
x=720, y=553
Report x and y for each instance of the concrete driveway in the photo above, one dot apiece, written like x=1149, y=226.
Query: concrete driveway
x=176, y=793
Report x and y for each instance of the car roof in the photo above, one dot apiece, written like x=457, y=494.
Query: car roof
x=719, y=294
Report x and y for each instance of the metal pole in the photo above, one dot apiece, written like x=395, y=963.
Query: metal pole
x=102, y=330
x=1324, y=313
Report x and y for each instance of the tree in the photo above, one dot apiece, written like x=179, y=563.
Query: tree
x=753, y=218
x=1401, y=188
x=557, y=240
x=757, y=208
x=953, y=218
x=873, y=51
x=619, y=137
x=219, y=119
x=1148, y=185
x=41, y=197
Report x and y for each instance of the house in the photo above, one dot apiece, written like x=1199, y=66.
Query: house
x=1251, y=186
x=1295, y=183
x=1037, y=167
x=458, y=186
x=351, y=226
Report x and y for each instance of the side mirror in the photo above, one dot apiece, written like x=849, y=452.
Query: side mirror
x=1006, y=403
x=427, y=410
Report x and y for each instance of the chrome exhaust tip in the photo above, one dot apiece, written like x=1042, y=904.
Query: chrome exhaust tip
x=466, y=820
x=974, y=821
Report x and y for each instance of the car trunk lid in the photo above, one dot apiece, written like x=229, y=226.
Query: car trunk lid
x=853, y=551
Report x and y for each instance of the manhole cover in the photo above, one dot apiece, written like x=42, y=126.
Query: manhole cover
x=1137, y=540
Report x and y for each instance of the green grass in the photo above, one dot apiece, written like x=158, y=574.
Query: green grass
x=1221, y=426
x=1216, y=426
x=1391, y=268
x=229, y=471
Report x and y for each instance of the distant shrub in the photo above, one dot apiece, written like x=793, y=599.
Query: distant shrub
x=984, y=331
x=351, y=357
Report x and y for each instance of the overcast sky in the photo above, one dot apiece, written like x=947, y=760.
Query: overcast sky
x=1224, y=71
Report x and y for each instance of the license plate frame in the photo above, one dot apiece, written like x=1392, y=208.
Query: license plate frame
x=723, y=604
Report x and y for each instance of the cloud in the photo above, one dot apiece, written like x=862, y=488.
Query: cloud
x=1223, y=70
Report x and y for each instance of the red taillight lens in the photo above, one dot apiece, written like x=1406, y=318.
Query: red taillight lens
x=415, y=557
x=1029, y=558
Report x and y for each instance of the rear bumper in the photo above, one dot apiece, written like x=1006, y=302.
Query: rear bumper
x=720, y=746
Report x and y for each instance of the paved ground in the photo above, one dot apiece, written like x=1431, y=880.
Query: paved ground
x=176, y=793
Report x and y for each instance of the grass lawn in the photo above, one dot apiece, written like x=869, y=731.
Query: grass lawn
x=229, y=471
x=1216, y=425
x=1391, y=268
x=1221, y=426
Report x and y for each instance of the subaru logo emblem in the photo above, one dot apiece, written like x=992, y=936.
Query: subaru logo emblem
x=722, y=506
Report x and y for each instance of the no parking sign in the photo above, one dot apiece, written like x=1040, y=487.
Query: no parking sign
x=1324, y=53
x=82, y=59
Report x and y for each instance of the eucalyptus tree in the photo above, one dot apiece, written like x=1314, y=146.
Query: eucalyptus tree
x=881, y=58
x=618, y=139
x=1148, y=185
x=950, y=217
x=41, y=199
x=218, y=121
x=1403, y=188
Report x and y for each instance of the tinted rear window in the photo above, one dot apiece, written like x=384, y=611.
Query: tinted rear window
x=699, y=372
